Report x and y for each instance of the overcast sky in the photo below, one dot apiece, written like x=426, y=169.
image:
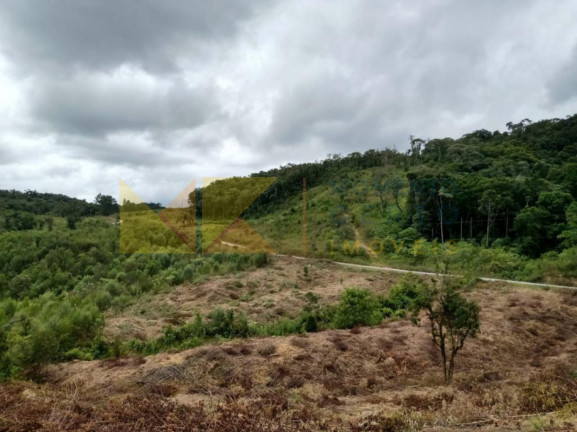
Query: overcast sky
x=160, y=92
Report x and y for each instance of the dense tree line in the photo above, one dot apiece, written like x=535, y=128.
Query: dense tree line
x=28, y=210
x=55, y=204
x=515, y=188
x=129, y=206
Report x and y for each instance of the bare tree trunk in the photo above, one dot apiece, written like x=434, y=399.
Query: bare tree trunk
x=449, y=377
x=395, y=192
x=488, y=226
x=441, y=219
x=445, y=369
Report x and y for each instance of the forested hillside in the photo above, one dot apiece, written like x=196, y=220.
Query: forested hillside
x=501, y=203
x=518, y=187
x=506, y=198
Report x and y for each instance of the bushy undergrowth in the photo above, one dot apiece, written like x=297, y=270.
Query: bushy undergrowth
x=402, y=297
x=502, y=259
x=223, y=324
x=498, y=261
x=56, y=285
x=35, y=332
x=357, y=307
x=551, y=390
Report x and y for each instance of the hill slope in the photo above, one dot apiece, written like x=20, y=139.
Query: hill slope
x=337, y=378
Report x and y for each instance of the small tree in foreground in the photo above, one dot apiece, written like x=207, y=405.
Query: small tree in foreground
x=453, y=318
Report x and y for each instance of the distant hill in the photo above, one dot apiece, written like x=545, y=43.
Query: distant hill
x=517, y=188
x=43, y=203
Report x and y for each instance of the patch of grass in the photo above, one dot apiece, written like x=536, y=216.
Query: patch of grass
x=539, y=424
x=288, y=284
x=267, y=350
x=246, y=297
x=300, y=342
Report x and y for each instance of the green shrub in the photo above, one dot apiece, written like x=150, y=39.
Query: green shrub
x=310, y=323
x=103, y=300
x=99, y=348
x=311, y=298
x=402, y=296
x=409, y=236
x=46, y=329
x=78, y=354
x=567, y=262
x=227, y=324
x=393, y=313
x=281, y=327
x=113, y=288
x=357, y=307
x=187, y=274
x=260, y=260
x=121, y=302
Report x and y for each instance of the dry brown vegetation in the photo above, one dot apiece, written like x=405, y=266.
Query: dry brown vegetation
x=519, y=374
x=264, y=294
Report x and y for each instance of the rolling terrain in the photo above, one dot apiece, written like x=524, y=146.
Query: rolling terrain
x=518, y=373
x=281, y=300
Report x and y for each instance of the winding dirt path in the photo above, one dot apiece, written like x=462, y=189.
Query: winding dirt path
x=424, y=273
x=485, y=279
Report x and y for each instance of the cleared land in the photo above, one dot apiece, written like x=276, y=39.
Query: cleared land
x=518, y=374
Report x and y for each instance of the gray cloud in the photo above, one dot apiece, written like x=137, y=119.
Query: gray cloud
x=126, y=150
x=96, y=34
x=159, y=93
x=96, y=105
x=394, y=71
x=6, y=155
x=563, y=86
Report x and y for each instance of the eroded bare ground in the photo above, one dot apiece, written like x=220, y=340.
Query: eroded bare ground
x=517, y=375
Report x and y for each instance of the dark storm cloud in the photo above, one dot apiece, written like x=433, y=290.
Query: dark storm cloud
x=133, y=151
x=100, y=34
x=333, y=111
x=94, y=105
